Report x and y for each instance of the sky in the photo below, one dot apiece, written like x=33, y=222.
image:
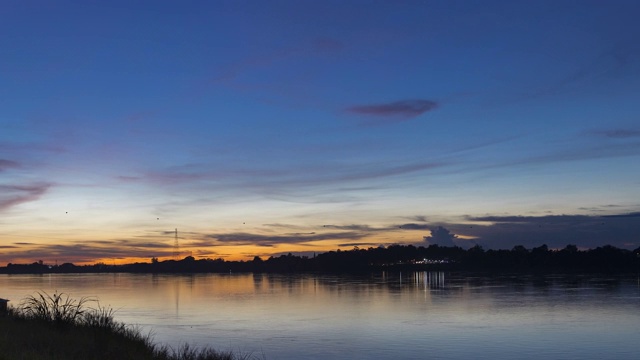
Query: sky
x=259, y=128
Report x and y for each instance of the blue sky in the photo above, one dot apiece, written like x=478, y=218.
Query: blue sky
x=257, y=128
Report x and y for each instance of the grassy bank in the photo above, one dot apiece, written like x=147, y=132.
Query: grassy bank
x=58, y=327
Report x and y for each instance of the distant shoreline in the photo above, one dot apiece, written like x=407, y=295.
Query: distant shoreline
x=607, y=259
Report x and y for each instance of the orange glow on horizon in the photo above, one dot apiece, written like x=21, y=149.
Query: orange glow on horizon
x=119, y=248
x=227, y=253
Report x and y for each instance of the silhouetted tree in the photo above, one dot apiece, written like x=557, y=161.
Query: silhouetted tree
x=394, y=257
x=520, y=249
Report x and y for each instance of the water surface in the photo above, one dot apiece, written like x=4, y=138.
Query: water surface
x=378, y=316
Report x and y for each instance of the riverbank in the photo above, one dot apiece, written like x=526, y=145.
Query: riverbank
x=542, y=259
x=58, y=328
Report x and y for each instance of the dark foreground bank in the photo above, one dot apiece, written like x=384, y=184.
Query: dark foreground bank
x=56, y=327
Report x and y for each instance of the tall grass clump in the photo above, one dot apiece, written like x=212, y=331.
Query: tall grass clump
x=56, y=326
x=100, y=317
x=186, y=352
x=58, y=308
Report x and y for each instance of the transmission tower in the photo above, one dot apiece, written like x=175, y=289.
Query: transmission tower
x=176, y=247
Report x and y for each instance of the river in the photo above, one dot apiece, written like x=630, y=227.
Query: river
x=419, y=315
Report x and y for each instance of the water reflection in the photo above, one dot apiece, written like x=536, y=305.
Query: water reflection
x=431, y=280
x=375, y=316
x=177, y=297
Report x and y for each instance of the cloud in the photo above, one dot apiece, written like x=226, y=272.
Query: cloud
x=341, y=174
x=89, y=251
x=557, y=231
x=125, y=178
x=492, y=232
x=171, y=178
x=441, y=236
x=598, y=151
x=128, y=243
x=399, y=110
x=12, y=195
x=8, y=164
x=613, y=63
x=617, y=133
x=241, y=238
x=30, y=147
x=630, y=215
x=412, y=226
x=315, y=47
x=289, y=184
x=353, y=227
x=596, y=209
x=359, y=244
x=369, y=229
x=420, y=218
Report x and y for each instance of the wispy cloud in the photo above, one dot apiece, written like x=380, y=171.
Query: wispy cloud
x=370, y=229
x=88, y=252
x=617, y=133
x=353, y=227
x=359, y=244
x=412, y=226
x=12, y=195
x=613, y=63
x=593, y=150
x=314, y=47
x=395, y=111
x=8, y=164
x=419, y=218
x=241, y=238
x=277, y=181
x=31, y=147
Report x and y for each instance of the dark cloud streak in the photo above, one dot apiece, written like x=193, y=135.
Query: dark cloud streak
x=412, y=226
x=399, y=110
x=241, y=238
x=617, y=133
x=557, y=231
x=89, y=251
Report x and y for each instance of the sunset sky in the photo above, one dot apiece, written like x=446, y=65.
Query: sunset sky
x=268, y=127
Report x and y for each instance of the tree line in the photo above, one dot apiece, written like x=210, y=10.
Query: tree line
x=395, y=257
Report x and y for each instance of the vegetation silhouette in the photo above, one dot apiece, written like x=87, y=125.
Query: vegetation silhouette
x=56, y=326
x=607, y=259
